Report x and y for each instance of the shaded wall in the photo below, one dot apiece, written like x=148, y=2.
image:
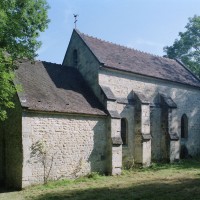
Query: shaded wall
x=156, y=133
x=187, y=99
x=87, y=64
x=12, y=148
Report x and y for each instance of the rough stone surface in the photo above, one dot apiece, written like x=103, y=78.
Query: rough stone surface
x=185, y=97
x=77, y=145
x=116, y=152
x=87, y=64
x=155, y=132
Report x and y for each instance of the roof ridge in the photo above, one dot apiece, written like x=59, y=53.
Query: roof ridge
x=121, y=57
x=181, y=63
x=123, y=46
x=47, y=62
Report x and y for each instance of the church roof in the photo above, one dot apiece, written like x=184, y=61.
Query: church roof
x=130, y=60
x=52, y=87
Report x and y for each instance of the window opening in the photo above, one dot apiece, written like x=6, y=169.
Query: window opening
x=124, y=134
x=184, y=126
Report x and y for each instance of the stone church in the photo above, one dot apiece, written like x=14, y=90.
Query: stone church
x=106, y=107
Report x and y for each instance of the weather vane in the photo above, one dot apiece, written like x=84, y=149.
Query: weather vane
x=75, y=19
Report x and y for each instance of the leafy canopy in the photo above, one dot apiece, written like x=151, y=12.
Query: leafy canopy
x=187, y=47
x=21, y=21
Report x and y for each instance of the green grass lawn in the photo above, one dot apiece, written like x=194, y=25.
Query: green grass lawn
x=161, y=181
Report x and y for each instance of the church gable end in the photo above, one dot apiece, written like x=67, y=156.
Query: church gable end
x=86, y=62
x=125, y=59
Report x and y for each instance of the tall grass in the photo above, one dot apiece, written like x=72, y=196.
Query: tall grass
x=160, y=181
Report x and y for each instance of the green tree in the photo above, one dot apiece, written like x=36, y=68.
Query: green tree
x=21, y=21
x=187, y=47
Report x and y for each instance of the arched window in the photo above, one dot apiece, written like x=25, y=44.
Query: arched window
x=75, y=57
x=124, y=134
x=184, y=126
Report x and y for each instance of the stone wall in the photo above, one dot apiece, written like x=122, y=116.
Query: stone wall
x=11, y=148
x=164, y=140
x=87, y=63
x=75, y=145
x=155, y=129
x=127, y=150
x=186, y=97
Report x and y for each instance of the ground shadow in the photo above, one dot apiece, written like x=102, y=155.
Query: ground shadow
x=185, y=189
x=7, y=190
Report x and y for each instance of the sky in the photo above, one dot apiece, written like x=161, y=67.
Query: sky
x=145, y=25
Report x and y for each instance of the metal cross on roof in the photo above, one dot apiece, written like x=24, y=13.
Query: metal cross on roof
x=75, y=19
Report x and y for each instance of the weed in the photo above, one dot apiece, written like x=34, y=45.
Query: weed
x=94, y=176
x=160, y=181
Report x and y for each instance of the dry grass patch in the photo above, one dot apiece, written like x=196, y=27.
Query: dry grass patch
x=161, y=181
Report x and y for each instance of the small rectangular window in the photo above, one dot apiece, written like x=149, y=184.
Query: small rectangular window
x=184, y=126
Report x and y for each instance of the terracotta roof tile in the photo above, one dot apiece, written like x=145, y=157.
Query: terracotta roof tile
x=130, y=60
x=52, y=87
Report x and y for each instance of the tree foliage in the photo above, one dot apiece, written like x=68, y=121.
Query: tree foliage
x=187, y=47
x=21, y=21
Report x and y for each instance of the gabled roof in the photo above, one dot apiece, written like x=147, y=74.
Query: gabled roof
x=52, y=87
x=126, y=59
